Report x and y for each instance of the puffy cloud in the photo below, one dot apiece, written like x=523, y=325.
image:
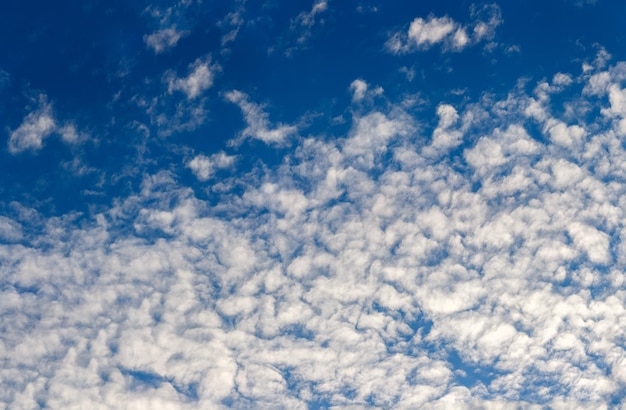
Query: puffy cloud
x=200, y=79
x=427, y=33
x=453, y=36
x=70, y=135
x=184, y=106
x=360, y=271
x=561, y=79
x=358, y=87
x=10, y=230
x=360, y=90
x=444, y=136
x=257, y=121
x=204, y=167
x=36, y=126
x=164, y=39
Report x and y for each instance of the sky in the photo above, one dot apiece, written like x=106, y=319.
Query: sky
x=312, y=204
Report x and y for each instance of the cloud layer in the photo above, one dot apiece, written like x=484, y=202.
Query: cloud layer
x=477, y=262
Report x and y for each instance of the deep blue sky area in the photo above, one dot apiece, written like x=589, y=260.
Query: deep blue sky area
x=312, y=204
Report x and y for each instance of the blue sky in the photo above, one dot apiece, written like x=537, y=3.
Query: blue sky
x=312, y=204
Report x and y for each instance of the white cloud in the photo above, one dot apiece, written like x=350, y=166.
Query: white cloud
x=357, y=272
x=257, y=121
x=170, y=113
x=70, y=135
x=562, y=80
x=444, y=136
x=35, y=128
x=427, y=33
x=305, y=21
x=592, y=241
x=360, y=90
x=10, y=230
x=460, y=39
x=423, y=34
x=164, y=39
x=301, y=29
x=40, y=124
x=308, y=19
x=200, y=79
x=233, y=21
x=204, y=167
x=358, y=87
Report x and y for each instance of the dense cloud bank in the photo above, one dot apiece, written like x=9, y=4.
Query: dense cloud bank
x=478, y=262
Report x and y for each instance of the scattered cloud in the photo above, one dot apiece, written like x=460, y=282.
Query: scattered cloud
x=232, y=23
x=305, y=21
x=408, y=72
x=365, y=9
x=200, y=79
x=37, y=126
x=257, y=121
x=301, y=28
x=164, y=39
x=70, y=135
x=204, y=167
x=360, y=90
x=360, y=271
x=358, y=87
x=424, y=34
x=472, y=255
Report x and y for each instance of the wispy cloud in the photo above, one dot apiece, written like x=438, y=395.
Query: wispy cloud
x=305, y=21
x=231, y=24
x=424, y=34
x=302, y=27
x=200, y=78
x=38, y=125
x=164, y=39
x=258, y=125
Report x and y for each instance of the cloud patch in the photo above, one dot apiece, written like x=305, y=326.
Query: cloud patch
x=164, y=39
x=305, y=21
x=204, y=167
x=35, y=128
x=257, y=121
x=200, y=78
x=425, y=33
x=39, y=125
x=472, y=256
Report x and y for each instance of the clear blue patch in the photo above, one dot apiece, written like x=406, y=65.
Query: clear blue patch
x=143, y=379
x=470, y=374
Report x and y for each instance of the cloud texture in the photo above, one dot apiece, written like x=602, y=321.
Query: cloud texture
x=424, y=34
x=474, y=262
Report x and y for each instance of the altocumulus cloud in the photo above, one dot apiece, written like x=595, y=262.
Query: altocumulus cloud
x=490, y=275
x=424, y=34
x=38, y=125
